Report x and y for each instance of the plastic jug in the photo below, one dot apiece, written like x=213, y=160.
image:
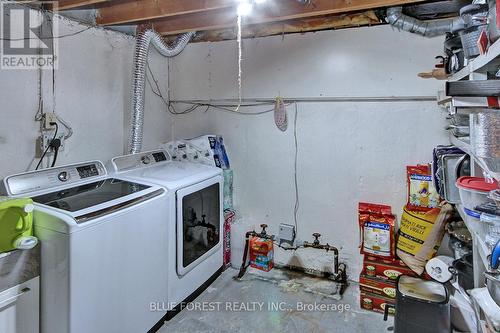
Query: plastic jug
x=16, y=224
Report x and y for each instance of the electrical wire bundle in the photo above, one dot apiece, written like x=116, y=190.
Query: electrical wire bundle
x=55, y=143
x=193, y=106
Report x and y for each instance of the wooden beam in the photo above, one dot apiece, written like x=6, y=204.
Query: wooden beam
x=134, y=11
x=293, y=26
x=275, y=11
x=74, y=4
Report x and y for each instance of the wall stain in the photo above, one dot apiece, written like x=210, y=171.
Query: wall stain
x=293, y=282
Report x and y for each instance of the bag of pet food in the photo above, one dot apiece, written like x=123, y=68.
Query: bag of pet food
x=377, y=230
x=422, y=195
x=420, y=235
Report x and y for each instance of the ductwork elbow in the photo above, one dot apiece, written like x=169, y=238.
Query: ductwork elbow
x=144, y=40
x=396, y=18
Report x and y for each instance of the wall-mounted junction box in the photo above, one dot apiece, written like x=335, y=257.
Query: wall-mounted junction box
x=49, y=117
x=286, y=234
x=43, y=141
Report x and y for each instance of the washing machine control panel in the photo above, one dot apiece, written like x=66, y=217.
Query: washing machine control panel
x=53, y=178
x=88, y=170
x=135, y=161
x=159, y=156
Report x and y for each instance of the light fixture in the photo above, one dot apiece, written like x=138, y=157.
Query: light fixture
x=244, y=8
x=258, y=2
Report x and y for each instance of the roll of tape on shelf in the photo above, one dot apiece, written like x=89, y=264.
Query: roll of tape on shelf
x=438, y=268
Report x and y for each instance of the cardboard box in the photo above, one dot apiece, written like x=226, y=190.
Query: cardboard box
x=377, y=286
x=385, y=269
x=376, y=303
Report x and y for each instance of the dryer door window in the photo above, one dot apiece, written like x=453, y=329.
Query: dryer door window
x=201, y=219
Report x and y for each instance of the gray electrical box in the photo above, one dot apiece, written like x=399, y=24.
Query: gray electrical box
x=286, y=234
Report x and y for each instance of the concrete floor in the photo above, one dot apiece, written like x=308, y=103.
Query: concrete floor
x=247, y=306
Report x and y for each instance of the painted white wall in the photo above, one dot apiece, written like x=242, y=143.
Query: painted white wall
x=348, y=152
x=92, y=94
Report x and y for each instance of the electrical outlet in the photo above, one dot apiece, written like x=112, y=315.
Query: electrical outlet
x=43, y=141
x=50, y=117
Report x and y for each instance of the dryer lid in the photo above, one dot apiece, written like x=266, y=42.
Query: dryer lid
x=157, y=167
x=176, y=171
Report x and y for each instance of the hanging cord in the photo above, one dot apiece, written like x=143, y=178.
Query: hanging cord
x=227, y=108
x=295, y=178
x=155, y=88
x=240, y=56
x=56, y=151
x=47, y=38
x=235, y=108
x=48, y=146
x=39, y=111
x=51, y=31
x=69, y=133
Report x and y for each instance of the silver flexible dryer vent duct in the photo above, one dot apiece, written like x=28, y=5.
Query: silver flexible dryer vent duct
x=396, y=18
x=144, y=40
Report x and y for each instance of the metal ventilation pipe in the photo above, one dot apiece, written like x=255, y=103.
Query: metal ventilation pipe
x=396, y=18
x=144, y=40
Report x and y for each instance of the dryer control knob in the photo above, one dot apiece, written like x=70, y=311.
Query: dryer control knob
x=145, y=160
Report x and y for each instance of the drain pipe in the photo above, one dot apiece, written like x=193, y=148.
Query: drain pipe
x=144, y=39
x=396, y=18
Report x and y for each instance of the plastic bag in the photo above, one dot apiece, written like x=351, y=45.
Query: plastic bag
x=280, y=117
x=420, y=235
x=377, y=228
x=422, y=194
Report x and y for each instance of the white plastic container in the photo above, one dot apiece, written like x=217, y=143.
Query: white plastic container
x=471, y=198
x=473, y=221
x=495, y=196
x=491, y=228
x=474, y=191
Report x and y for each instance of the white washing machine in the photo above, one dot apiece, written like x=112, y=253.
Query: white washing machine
x=195, y=220
x=103, y=244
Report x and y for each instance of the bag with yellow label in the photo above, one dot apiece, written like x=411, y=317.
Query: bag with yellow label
x=420, y=235
x=422, y=194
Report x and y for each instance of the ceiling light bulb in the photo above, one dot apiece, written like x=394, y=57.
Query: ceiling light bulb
x=244, y=8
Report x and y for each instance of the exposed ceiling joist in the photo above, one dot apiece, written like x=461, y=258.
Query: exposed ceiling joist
x=73, y=4
x=217, y=18
x=293, y=26
x=122, y=12
x=275, y=11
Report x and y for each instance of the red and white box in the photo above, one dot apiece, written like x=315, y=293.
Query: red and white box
x=381, y=287
x=376, y=303
x=385, y=269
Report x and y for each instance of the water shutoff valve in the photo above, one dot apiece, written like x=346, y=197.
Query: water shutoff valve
x=316, y=238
